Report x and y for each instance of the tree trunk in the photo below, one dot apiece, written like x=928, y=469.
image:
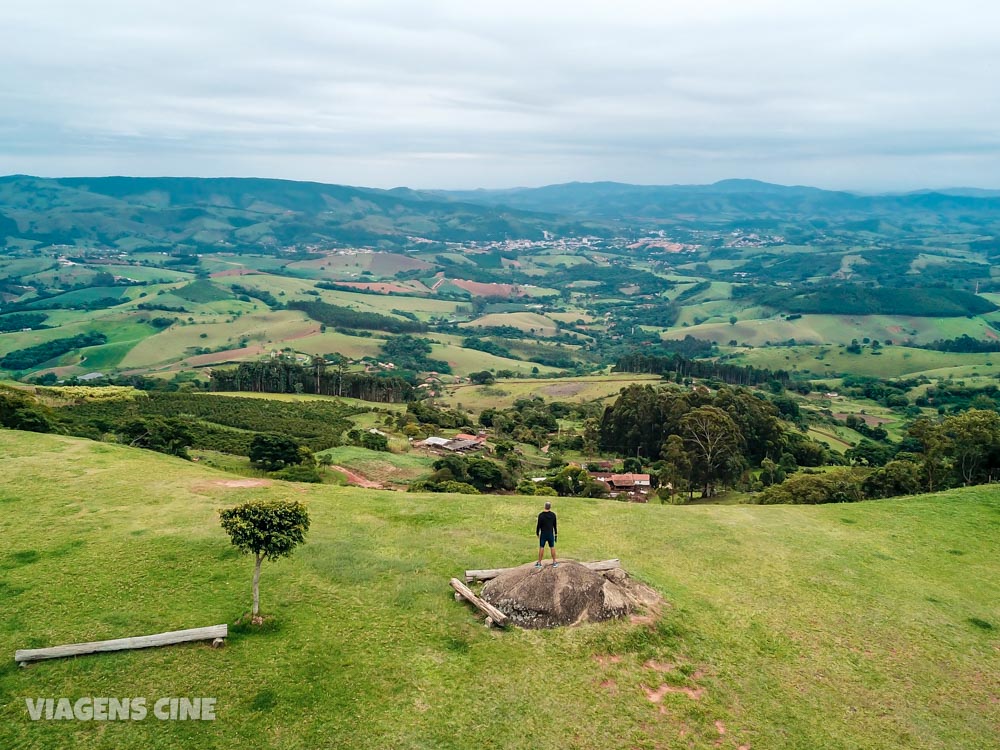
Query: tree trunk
x=256, y=584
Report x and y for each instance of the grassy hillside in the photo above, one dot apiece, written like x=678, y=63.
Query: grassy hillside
x=863, y=626
x=894, y=361
x=575, y=390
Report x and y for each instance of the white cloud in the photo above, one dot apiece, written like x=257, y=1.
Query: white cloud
x=442, y=93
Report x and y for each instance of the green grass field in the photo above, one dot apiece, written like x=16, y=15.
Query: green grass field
x=820, y=329
x=894, y=361
x=577, y=390
x=837, y=627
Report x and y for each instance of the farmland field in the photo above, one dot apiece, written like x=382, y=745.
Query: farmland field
x=524, y=321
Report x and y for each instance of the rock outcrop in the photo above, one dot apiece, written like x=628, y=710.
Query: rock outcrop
x=568, y=594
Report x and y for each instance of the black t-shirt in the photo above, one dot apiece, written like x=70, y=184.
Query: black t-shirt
x=546, y=524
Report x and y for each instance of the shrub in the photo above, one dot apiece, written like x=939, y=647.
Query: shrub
x=838, y=486
x=299, y=473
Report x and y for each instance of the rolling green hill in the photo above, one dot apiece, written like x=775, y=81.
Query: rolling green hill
x=198, y=213
x=839, y=627
x=759, y=203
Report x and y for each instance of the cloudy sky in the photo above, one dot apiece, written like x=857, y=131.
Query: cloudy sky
x=856, y=94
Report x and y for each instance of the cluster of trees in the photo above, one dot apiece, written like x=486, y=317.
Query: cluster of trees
x=218, y=423
x=168, y=435
x=245, y=293
x=421, y=412
x=19, y=411
x=485, y=345
x=853, y=299
x=682, y=367
x=964, y=343
x=20, y=321
x=569, y=481
x=891, y=393
x=693, y=291
x=202, y=291
x=282, y=376
x=533, y=420
x=337, y=316
x=284, y=458
x=661, y=313
x=157, y=306
x=957, y=397
x=469, y=475
x=412, y=353
x=609, y=279
x=860, y=425
x=703, y=439
x=960, y=450
x=373, y=441
x=23, y=359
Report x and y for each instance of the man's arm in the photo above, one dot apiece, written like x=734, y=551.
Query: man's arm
x=555, y=524
x=538, y=525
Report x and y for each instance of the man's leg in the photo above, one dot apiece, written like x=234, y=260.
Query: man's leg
x=541, y=551
x=552, y=549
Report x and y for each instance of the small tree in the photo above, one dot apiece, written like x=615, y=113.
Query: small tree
x=265, y=529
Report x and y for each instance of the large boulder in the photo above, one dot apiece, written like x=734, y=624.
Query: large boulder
x=567, y=594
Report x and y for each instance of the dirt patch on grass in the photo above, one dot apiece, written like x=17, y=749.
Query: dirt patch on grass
x=304, y=333
x=240, y=483
x=606, y=659
x=562, y=390
x=656, y=696
x=481, y=289
x=356, y=479
x=659, y=667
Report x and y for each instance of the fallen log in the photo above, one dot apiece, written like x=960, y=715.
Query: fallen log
x=211, y=633
x=493, y=615
x=485, y=575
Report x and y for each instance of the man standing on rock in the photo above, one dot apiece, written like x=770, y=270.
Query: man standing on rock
x=547, y=532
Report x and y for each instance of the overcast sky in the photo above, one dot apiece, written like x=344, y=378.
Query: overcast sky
x=862, y=94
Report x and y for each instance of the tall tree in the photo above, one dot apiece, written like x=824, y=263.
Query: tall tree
x=676, y=472
x=319, y=369
x=975, y=436
x=714, y=440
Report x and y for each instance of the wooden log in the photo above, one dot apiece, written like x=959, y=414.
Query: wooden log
x=485, y=575
x=492, y=613
x=23, y=656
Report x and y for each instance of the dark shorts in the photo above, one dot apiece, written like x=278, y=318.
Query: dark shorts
x=549, y=539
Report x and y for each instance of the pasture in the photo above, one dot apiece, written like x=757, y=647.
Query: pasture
x=838, y=627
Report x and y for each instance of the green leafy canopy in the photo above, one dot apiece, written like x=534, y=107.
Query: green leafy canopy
x=271, y=529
